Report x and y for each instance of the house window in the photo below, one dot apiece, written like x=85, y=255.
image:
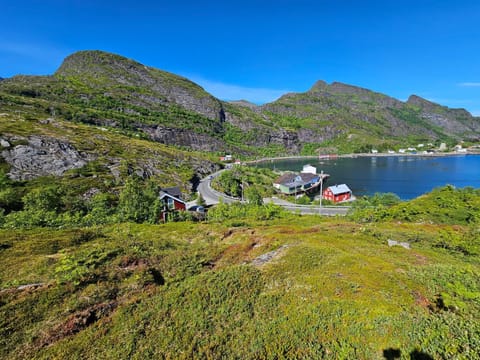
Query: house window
x=171, y=204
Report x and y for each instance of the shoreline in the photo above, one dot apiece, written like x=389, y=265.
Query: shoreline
x=352, y=156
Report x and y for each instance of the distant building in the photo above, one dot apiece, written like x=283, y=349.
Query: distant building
x=292, y=183
x=374, y=151
x=391, y=152
x=401, y=151
x=226, y=158
x=309, y=169
x=337, y=193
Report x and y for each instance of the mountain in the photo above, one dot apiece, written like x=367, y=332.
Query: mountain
x=94, y=121
x=108, y=90
x=338, y=111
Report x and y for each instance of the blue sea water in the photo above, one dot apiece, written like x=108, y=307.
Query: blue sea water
x=406, y=176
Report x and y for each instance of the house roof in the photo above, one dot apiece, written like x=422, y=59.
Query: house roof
x=290, y=179
x=306, y=177
x=286, y=178
x=164, y=194
x=339, y=189
x=174, y=191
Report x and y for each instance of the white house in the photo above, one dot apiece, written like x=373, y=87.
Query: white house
x=309, y=169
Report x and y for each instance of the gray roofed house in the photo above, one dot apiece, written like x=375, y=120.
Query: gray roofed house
x=173, y=191
x=340, y=189
x=290, y=183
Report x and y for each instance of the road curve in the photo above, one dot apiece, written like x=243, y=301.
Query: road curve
x=213, y=197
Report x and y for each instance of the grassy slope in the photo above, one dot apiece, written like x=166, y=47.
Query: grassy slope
x=188, y=291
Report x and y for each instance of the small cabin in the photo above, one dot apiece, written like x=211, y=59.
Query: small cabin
x=171, y=199
x=337, y=193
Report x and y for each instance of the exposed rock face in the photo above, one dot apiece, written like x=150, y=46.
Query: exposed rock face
x=183, y=137
x=4, y=143
x=457, y=121
x=42, y=156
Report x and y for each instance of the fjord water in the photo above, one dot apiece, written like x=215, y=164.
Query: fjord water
x=406, y=176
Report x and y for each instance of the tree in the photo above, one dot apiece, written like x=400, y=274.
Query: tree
x=253, y=195
x=200, y=200
x=133, y=204
x=139, y=202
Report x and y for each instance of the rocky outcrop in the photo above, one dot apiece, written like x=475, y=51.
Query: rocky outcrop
x=182, y=137
x=42, y=156
x=458, y=121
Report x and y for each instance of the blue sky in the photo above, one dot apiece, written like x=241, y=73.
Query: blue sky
x=258, y=50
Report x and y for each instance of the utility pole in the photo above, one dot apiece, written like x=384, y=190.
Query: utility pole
x=321, y=193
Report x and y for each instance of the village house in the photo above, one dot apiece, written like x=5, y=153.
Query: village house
x=293, y=183
x=226, y=158
x=337, y=193
x=171, y=200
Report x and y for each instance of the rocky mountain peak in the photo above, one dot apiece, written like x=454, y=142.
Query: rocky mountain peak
x=320, y=85
x=102, y=70
x=419, y=101
x=244, y=103
x=92, y=61
x=432, y=106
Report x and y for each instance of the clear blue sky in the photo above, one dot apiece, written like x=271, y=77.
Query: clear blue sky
x=258, y=50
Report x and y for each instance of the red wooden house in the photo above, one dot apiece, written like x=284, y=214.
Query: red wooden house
x=337, y=193
x=171, y=202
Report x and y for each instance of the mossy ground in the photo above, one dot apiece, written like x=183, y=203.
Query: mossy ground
x=188, y=290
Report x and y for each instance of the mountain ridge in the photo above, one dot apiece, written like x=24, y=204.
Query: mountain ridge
x=104, y=89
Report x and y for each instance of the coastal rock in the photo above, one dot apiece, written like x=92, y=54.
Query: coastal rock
x=4, y=143
x=42, y=156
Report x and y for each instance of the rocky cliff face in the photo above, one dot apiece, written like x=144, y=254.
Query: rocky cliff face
x=325, y=111
x=456, y=121
x=41, y=156
x=182, y=137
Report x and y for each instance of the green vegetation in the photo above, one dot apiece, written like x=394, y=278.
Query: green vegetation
x=87, y=272
x=445, y=205
x=332, y=288
x=254, y=181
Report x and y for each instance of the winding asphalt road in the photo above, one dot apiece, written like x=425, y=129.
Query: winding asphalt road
x=213, y=197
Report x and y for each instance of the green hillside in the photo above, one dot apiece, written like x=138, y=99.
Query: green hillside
x=243, y=286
